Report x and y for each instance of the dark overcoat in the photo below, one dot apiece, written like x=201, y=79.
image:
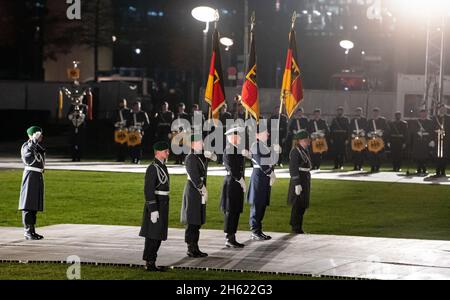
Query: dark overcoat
x=232, y=199
x=299, y=170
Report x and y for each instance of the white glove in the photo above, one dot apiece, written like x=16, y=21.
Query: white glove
x=298, y=190
x=210, y=155
x=273, y=177
x=246, y=154
x=205, y=197
x=242, y=183
x=277, y=148
x=389, y=145
x=432, y=144
x=154, y=216
x=203, y=190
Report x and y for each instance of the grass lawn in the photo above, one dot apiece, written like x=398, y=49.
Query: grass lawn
x=337, y=207
x=90, y=272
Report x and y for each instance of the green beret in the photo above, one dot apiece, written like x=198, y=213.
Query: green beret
x=33, y=129
x=160, y=146
x=301, y=135
x=196, y=138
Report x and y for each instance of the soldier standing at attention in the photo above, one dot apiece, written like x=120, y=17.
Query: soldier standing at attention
x=122, y=115
x=138, y=122
x=232, y=200
x=195, y=194
x=181, y=115
x=317, y=128
x=441, y=127
x=155, y=220
x=377, y=128
x=164, y=123
x=398, y=134
x=296, y=124
x=300, y=182
x=339, y=137
x=32, y=189
x=261, y=181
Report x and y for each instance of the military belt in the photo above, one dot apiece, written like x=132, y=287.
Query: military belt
x=27, y=168
x=304, y=169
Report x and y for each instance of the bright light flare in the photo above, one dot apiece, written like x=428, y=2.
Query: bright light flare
x=423, y=7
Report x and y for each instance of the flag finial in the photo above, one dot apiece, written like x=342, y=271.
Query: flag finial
x=252, y=21
x=294, y=17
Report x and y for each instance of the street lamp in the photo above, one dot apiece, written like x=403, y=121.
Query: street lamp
x=204, y=14
x=347, y=45
x=227, y=42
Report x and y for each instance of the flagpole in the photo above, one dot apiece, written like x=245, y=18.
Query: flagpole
x=284, y=94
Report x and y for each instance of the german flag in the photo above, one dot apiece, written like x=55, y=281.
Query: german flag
x=215, y=93
x=292, y=87
x=250, y=99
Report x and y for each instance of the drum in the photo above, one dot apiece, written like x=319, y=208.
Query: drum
x=319, y=145
x=134, y=138
x=359, y=144
x=375, y=145
x=121, y=136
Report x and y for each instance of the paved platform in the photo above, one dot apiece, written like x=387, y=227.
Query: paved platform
x=317, y=255
x=391, y=177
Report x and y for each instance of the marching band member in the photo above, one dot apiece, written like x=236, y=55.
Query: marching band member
x=232, y=200
x=32, y=189
x=319, y=132
x=77, y=115
x=121, y=117
x=138, y=122
x=441, y=126
x=358, y=127
x=378, y=133
x=300, y=182
x=339, y=137
x=421, y=141
x=155, y=219
x=397, y=140
x=164, y=121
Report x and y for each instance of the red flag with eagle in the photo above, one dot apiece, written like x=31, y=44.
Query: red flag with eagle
x=292, y=87
x=250, y=99
x=215, y=92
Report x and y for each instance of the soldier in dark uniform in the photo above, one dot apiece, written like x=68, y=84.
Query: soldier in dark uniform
x=195, y=195
x=77, y=116
x=155, y=219
x=377, y=126
x=139, y=121
x=232, y=200
x=300, y=182
x=223, y=117
x=164, y=122
x=420, y=141
x=120, y=122
x=238, y=110
x=297, y=123
x=261, y=180
x=339, y=131
x=317, y=126
x=441, y=151
x=32, y=189
x=181, y=115
x=397, y=140
x=282, y=131
x=358, y=128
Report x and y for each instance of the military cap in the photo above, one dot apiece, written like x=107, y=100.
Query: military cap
x=235, y=130
x=160, y=146
x=301, y=135
x=33, y=129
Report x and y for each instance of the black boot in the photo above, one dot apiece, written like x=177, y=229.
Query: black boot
x=150, y=266
x=33, y=232
x=232, y=243
x=200, y=253
x=29, y=233
x=192, y=251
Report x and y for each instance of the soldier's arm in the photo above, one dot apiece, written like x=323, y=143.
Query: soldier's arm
x=146, y=122
x=193, y=172
x=28, y=153
x=294, y=164
x=150, y=187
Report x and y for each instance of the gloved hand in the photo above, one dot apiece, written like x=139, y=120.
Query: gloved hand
x=298, y=190
x=242, y=183
x=205, y=197
x=432, y=144
x=277, y=148
x=246, y=154
x=273, y=177
x=154, y=216
x=203, y=190
x=210, y=155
